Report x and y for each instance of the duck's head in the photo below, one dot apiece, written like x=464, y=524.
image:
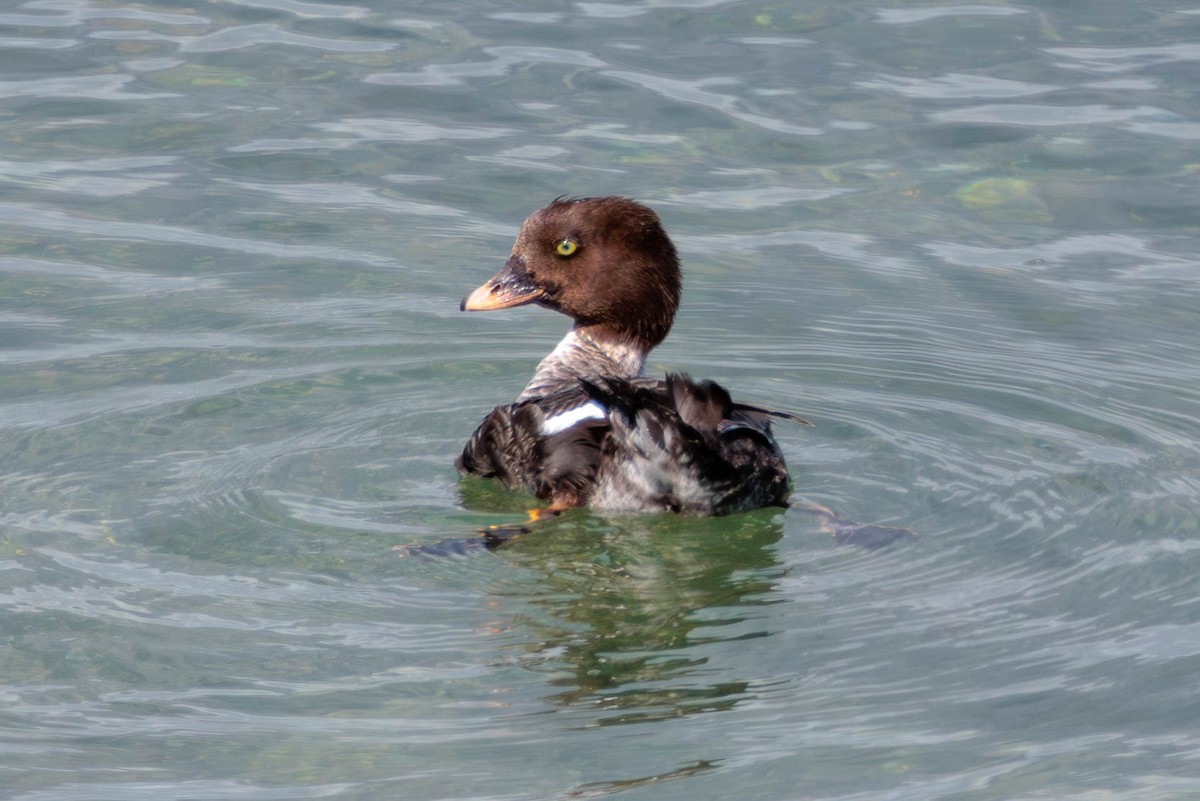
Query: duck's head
x=604, y=261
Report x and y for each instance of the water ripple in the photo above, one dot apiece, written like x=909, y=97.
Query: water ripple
x=621, y=132
x=137, y=592
x=82, y=406
x=46, y=218
x=400, y=129
x=956, y=86
x=352, y=132
x=306, y=10
x=265, y=34
x=1139, y=260
x=696, y=92
x=40, y=43
x=243, y=37
x=504, y=60
x=909, y=16
x=857, y=249
x=347, y=196
x=749, y=199
x=123, y=281
x=91, y=87
x=77, y=12
x=626, y=10
x=1106, y=60
x=74, y=176
x=182, y=790
x=1039, y=116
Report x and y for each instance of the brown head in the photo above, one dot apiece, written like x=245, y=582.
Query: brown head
x=605, y=262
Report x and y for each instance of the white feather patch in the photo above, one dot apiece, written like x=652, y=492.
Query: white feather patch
x=564, y=420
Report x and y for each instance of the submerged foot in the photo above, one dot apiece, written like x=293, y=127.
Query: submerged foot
x=849, y=532
x=491, y=537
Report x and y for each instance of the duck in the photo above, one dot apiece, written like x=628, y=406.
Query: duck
x=590, y=429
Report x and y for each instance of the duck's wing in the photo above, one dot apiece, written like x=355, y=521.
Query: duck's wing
x=751, y=409
x=549, y=446
x=685, y=446
x=503, y=442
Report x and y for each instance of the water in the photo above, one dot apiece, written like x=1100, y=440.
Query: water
x=962, y=239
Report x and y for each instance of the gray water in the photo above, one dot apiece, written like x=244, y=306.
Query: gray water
x=963, y=239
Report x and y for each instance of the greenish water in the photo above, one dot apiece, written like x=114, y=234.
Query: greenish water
x=964, y=240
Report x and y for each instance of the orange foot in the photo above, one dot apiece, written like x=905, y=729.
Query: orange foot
x=503, y=532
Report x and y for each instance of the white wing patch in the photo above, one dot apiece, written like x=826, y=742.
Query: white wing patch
x=564, y=420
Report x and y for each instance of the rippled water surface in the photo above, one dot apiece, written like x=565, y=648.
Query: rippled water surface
x=963, y=239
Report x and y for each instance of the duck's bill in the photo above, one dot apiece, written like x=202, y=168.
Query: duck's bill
x=503, y=290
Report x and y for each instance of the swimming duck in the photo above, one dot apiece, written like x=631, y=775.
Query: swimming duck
x=590, y=429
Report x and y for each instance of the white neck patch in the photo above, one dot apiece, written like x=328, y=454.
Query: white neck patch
x=580, y=356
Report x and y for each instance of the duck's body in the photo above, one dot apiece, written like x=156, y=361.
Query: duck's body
x=590, y=429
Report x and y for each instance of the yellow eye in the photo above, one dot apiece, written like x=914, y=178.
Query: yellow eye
x=566, y=247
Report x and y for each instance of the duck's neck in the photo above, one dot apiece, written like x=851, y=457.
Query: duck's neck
x=585, y=352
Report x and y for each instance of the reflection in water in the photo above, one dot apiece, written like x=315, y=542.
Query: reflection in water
x=629, y=604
